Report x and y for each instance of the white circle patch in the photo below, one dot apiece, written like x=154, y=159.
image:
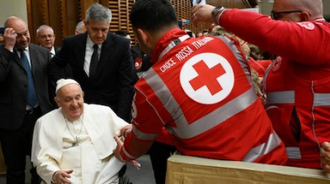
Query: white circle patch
x=207, y=78
x=307, y=25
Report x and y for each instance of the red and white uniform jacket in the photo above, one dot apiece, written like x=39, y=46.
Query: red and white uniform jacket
x=200, y=91
x=259, y=66
x=297, y=84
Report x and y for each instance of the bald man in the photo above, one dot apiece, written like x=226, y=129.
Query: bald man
x=80, y=28
x=23, y=96
x=297, y=83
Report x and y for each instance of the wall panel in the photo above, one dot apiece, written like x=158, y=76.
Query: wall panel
x=63, y=15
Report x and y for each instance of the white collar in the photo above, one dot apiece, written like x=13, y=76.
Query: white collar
x=90, y=43
x=52, y=51
x=172, y=45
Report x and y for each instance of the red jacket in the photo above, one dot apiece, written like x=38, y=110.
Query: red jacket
x=200, y=92
x=297, y=84
x=259, y=66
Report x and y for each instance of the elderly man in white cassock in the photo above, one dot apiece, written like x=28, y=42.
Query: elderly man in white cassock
x=74, y=143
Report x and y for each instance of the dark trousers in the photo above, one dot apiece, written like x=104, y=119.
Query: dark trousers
x=16, y=144
x=159, y=153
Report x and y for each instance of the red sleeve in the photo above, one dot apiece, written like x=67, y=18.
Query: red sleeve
x=304, y=42
x=260, y=66
x=147, y=123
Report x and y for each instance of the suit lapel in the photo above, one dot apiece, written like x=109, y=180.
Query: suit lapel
x=57, y=49
x=106, y=54
x=33, y=59
x=18, y=60
x=80, y=50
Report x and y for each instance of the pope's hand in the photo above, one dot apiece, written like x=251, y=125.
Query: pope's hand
x=61, y=176
x=202, y=13
x=125, y=131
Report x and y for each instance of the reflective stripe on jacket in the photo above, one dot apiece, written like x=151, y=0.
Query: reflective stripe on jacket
x=201, y=92
x=299, y=110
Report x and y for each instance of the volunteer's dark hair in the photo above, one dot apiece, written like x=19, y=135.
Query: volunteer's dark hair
x=152, y=15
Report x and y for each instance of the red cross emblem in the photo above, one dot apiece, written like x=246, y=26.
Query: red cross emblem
x=207, y=77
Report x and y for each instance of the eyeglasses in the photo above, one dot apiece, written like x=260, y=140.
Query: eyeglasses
x=277, y=15
x=46, y=36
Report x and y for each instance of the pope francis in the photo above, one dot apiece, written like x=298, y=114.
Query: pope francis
x=74, y=143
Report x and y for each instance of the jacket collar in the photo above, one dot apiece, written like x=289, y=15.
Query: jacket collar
x=164, y=41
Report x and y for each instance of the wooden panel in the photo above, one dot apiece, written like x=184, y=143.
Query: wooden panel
x=114, y=6
x=72, y=12
x=120, y=16
x=54, y=20
x=35, y=16
x=63, y=15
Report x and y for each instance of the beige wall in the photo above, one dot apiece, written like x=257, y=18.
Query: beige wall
x=265, y=6
x=12, y=8
x=326, y=8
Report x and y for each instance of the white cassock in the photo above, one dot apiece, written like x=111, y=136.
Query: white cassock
x=85, y=145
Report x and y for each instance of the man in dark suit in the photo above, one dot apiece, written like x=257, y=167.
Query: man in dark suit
x=46, y=38
x=101, y=62
x=23, y=95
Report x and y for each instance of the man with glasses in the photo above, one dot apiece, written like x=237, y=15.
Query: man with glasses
x=46, y=38
x=279, y=15
x=297, y=83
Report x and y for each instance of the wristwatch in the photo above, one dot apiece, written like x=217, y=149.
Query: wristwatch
x=215, y=12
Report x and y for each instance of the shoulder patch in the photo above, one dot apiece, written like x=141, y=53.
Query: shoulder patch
x=307, y=25
x=207, y=78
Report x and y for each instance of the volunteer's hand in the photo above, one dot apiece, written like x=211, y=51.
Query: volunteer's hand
x=202, y=13
x=325, y=156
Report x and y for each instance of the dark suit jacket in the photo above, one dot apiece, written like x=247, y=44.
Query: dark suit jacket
x=67, y=72
x=57, y=49
x=13, y=84
x=113, y=84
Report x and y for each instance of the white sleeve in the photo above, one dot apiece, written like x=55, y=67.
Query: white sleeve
x=117, y=122
x=46, y=166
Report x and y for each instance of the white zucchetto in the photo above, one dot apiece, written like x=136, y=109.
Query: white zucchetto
x=63, y=82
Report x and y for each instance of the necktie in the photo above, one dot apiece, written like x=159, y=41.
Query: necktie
x=31, y=95
x=94, y=62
